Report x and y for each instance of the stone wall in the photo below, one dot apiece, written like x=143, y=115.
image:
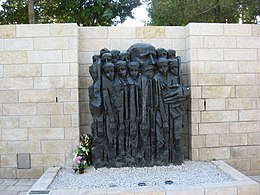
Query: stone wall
x=44, y=76
x=39, y=115
x=224, y=61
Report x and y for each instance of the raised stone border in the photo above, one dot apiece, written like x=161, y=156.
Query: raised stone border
x=241, y=186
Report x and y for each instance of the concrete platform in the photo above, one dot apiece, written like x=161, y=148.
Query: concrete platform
x=242, y=185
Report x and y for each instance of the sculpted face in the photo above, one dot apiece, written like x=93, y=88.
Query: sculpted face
x=173, y=67
x=162, y=65
x=121, y=68
x=106, y=57
x=133, y=69
x=109, y=71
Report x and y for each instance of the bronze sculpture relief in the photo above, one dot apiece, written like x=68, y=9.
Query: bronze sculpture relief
x=136, y=102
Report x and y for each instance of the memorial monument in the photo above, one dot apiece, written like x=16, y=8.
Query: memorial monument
x=136, y=102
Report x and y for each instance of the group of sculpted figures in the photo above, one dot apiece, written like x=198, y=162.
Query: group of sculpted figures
x=136, y=102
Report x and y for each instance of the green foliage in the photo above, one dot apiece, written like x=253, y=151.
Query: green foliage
x=181, y=12
x=83, y=12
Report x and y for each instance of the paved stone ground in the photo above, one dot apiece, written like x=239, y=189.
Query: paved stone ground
x=15, y=186
x=21, y=186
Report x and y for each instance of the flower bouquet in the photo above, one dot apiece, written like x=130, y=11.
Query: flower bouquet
x=82, y=154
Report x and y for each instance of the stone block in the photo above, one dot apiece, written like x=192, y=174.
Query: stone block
x=45, y=56
x=240, y=79
x=175, y=32
x=150, y=32
x=14, y=134
x=237, y=29
x=56, y=69
x=3, y=147
x=191, y=55
x=40, y=95
x=220, y=42
x=244, y=127
x=16, y=83
x=51, y=43
x=205, y=29
x=61, y=30
x=212, y=141
x=18, y=44
x=56, y=146
x=34, y=172
x=157, y=43
x=8, y=122
x=31, y=30
x=246, y=91
x=1, y=44
x=240, y=54
x=248, y=115
x=215, y=104
x=47, y=160
x=64, y=95
x=195, y=92
x=70, y=56
x=239, y=164
x=197, y=67
x=46, y=133
x=248, y=42
x=48, y=82
x=233, y=139
x=221, y=67
x=118, y=33
x=213, y=128
x=1, y=110
x=194, y=42
x=255, y=30
x=249, y=67
x=240, y=103
x=8, y=161
x=73, y=43
x=210, y=54
x=195, y=117
x=211, y=79
x=123, y=44
x=255, y=163
x=254, y=138
x=93, y=32
x=198, y=141
x=8, y=173
x=254, y=151
x=7, y=31
x=10, y=96
x=74, y=68
x=60, y=121
x=19, y=109
x=27, y=70
x=16, y=147
x=218, y=91
x=71, y=82
x=71, y=108
x=194, y=154
x=239, y=152
x=1, y=70
x=248, y=188
x=214, y=153
x=34, y=121
x=13, y=57
x=49, y=108
x=219, y=116
x=71, y=133
x=93, y=45
x=178, y=44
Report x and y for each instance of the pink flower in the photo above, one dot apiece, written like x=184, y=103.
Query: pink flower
x=77, y=159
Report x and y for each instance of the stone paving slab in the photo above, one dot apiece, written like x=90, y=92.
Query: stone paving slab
x=242, y=185
x=16, y=186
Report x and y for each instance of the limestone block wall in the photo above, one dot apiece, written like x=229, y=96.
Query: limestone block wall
x=39, y=112
x=44, y=99
x=224, y=61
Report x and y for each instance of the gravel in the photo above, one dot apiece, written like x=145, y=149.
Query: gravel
x=190, y=172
